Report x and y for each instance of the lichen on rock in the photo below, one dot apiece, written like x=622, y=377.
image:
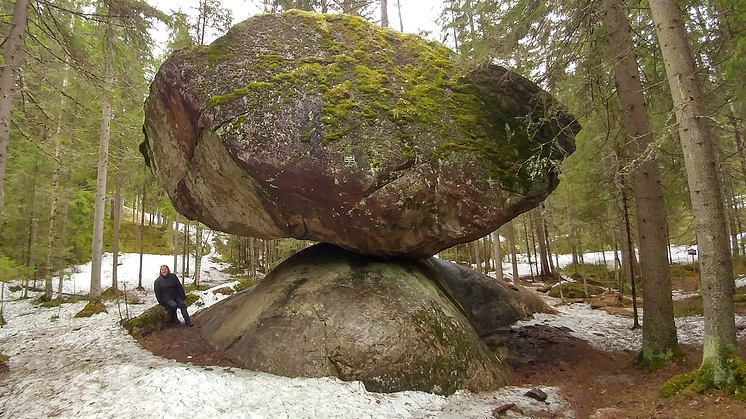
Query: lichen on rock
x=333, y=129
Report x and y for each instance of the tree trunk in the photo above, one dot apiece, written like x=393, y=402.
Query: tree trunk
x=717, y=285
x=538, y=222
x=498, y=255
x=477, y=256
x=550, y=243
x=384, y=13
x=142, y=226
x=398, y=9
x=630, y=256
x=117, y=209
x=730, y=211
x=513, y=256
x=197, y=254
x=528, y=245
x=659, y=330
x=174, y=242
x=10, y=72
x=32, y=213
x=98, y=218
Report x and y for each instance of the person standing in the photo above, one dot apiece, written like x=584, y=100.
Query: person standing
x=170, y=294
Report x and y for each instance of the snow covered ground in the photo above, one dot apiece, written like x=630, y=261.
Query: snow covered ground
x=65, y=367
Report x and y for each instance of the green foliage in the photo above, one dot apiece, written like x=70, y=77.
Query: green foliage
x=10, y=271
x=156, y=241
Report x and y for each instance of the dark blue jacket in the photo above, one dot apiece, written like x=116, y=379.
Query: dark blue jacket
x=168, y=288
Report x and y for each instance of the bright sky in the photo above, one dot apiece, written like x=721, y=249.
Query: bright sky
x=417, y=15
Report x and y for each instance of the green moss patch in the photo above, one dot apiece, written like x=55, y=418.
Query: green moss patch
x=702, y=380
x=153, y=319
x=191, y=299
x=403, y=87
x=655, y=360
x=3, y=363
x=92, y=308
x=245, y=282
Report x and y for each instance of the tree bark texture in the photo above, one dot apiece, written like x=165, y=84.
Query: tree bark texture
x=198, y=253
x=498, y=255
x=659, y=330
x=538, y=223
x=384, y=13
x=12, y=60
x=513, y=256
x=117, y=209
x=103, y=157
x=717, y=284
x=142, y=226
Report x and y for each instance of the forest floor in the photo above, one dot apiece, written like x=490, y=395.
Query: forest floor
x=601, y=383
x=66, y=367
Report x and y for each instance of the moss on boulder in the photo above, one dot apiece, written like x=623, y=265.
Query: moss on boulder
x=388, y=323
x=154, y=318
x=329, y=128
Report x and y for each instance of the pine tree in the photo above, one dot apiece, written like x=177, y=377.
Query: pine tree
x=717, y=286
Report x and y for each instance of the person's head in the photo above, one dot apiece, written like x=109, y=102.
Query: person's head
x=164, y=270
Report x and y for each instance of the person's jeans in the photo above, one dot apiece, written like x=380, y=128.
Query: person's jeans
x=172, y=305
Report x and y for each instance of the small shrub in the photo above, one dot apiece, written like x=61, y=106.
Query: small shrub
x=224, y=291
x=92, y=308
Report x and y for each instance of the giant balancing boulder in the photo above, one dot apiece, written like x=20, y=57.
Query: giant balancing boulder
x=391, y=323
x=329, y=128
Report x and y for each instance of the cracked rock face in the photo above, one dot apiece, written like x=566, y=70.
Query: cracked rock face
x=327, y=128
x=390, y=323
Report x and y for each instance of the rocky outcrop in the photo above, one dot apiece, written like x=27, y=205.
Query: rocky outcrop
x=489, y=304
x=328, y=128
x=388, y=323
